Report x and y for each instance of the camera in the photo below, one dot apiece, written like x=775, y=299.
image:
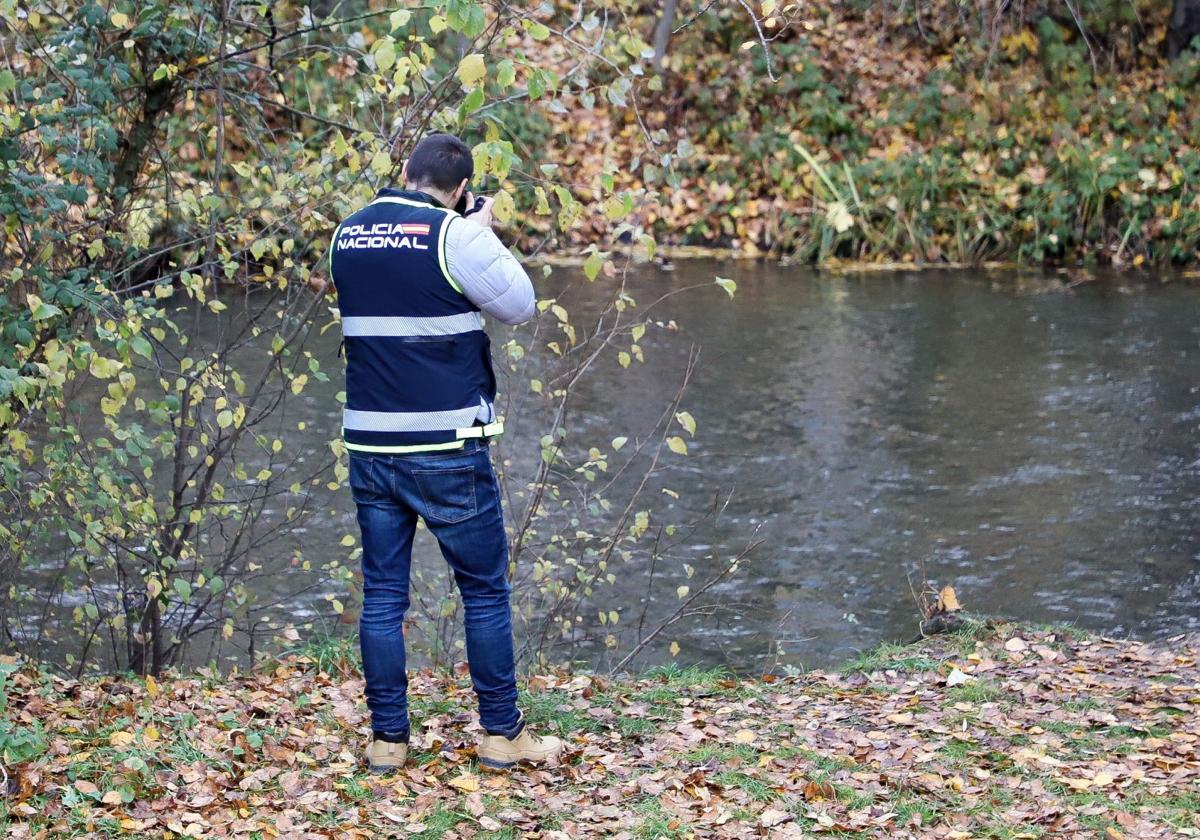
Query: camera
x=462, y=209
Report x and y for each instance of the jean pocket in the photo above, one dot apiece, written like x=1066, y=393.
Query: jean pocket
x=364, y=486
x=448, y=494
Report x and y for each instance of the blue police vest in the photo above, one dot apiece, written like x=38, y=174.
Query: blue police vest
x=418, y=363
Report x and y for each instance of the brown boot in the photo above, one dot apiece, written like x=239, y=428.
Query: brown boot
x=384, y=756
x=495, y=752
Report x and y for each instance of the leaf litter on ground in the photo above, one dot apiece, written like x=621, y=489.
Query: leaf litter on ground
x=1058, y=735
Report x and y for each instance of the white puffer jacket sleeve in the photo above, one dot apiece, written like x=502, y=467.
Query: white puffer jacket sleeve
x=487, y=272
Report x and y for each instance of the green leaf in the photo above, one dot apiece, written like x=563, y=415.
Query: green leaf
x=728, y=285
x=677, y=445
x=400, y=18
x=141, y=346
x=385, y=57
x=539, y=31
x=473, y=101
x=618, y=442
x=506, y=74
x=183, y=589
x=39, y=309
x=593, y=264
x=466, y=17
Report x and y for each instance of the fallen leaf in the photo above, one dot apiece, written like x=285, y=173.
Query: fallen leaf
x=773, y=816
x=467, y=783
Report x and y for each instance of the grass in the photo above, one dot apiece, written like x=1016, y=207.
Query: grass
x=891, y=657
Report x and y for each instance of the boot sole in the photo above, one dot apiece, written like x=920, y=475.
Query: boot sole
x=381, y=769
x=496, y=765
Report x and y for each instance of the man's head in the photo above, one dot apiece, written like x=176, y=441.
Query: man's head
x=440, y=165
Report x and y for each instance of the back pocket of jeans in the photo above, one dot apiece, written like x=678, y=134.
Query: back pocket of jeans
x=448, y=494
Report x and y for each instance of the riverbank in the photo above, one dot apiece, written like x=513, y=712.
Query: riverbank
x=1013, y=732
x=919, y=134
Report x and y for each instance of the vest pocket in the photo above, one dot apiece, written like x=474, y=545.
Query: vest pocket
x=448, y=494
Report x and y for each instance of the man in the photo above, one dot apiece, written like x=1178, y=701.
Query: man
x=412, y=277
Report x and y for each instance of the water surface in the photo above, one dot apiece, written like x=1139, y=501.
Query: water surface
x=1035, y=446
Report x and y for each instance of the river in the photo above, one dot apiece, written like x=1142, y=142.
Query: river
x=1037, y=446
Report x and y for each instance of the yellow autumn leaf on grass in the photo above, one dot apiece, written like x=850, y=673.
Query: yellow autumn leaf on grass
x=471, y=69
x=467, y=783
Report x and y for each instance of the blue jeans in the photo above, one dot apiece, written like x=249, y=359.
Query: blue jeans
x=457, y=495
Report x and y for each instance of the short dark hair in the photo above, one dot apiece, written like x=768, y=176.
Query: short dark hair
x=440, y=160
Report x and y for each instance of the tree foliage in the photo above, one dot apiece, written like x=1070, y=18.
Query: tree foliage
x=172, y=174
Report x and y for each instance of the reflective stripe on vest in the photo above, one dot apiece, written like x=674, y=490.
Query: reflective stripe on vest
x=489, y=431
x=419, y=372
x=400, y=325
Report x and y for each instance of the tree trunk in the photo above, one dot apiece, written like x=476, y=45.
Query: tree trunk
x=662, y=34
x=1183, y=27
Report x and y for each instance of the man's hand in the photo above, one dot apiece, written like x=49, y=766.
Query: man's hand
x=482, y=216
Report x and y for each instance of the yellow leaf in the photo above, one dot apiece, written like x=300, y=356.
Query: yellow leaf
x=677, y=445
x=120, y=739
x=743, y=736
x=119, y=20
x=949, y=599
x=674, y=648
x=471, y=70
x=467, y=783
x=687, y=421
x=503, y=208
x=111, y=798
x=682, y=591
